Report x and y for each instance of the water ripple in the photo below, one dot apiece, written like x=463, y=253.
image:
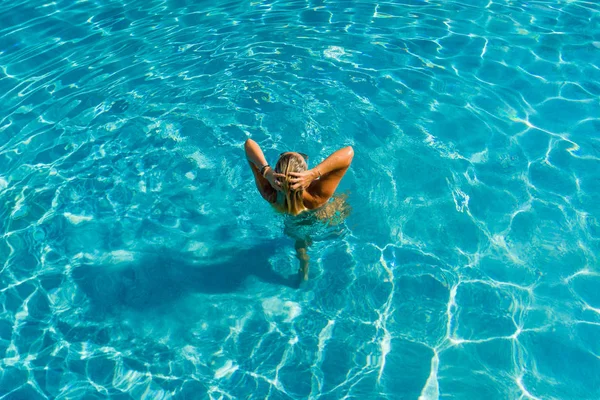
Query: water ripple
x=137, y=260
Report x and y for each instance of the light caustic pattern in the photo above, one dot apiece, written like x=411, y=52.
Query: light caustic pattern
x=137, y=260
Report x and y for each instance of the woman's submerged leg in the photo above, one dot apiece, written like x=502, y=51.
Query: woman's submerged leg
x=302, y=255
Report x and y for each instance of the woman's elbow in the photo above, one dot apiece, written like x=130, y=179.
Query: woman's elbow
x=249, y=144
x=349, y=154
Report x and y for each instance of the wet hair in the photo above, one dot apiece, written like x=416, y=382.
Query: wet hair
x=291, y=162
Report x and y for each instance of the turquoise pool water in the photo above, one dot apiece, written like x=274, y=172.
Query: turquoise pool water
x=138, y=261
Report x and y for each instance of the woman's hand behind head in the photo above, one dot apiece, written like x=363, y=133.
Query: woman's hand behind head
x=302, y=180
x=274, y=179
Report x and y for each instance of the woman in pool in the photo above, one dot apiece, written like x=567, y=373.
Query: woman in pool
x=292, y=188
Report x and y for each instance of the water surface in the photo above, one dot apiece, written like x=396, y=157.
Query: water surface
x=138, y=261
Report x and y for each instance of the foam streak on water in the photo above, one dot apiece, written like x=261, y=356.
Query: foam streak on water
x=138, y=261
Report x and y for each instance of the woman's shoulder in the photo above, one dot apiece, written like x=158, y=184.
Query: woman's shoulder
x=277, y=203
x=311, y=201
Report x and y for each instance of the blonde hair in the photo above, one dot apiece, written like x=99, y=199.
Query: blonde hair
x=291, y=162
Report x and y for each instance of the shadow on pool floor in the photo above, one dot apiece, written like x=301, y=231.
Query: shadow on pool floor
x=165, y=275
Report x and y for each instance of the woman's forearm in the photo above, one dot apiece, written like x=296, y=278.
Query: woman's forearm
x=339, y=160
x=254, y=154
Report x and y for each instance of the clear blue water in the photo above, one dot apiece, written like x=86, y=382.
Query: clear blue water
x=138, y=261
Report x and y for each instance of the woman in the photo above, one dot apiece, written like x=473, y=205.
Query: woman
x=293, y=188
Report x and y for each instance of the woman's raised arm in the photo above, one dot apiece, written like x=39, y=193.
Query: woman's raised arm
x=321, y=181
x=267, y=183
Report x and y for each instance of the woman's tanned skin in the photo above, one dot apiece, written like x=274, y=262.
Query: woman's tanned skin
x=316, y=191
x=317, y=185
